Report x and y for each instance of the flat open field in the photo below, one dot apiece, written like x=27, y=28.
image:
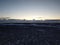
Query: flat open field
x=30, y=34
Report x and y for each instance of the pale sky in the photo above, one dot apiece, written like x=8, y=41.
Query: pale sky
x=30, y=9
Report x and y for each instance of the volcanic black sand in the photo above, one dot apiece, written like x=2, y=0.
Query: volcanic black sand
x=30, y=34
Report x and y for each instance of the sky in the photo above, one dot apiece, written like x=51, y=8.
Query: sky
x=30, y=9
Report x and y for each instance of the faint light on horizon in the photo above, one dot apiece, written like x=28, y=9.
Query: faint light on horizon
x=31, y=18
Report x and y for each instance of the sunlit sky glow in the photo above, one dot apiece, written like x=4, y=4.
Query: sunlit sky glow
x=30, y=9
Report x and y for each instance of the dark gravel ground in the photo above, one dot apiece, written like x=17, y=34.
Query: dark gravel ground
x=30, y=34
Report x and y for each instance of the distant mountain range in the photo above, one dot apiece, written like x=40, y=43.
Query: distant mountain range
x=28, y=21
